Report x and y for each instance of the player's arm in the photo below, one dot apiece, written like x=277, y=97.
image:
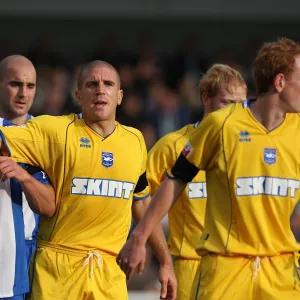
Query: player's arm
x=38, y=143
x=174, y=184
x=198, y=154
x=159, y=246
x=132, y=255
x=161, y=158
x=39, y=193
x=141, y=200
x=295, y=221
x=157, y=239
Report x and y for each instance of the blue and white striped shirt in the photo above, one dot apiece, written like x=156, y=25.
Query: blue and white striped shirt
x=17, y=223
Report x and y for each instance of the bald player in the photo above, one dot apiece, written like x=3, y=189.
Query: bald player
x=18, y=223
x=97, y=167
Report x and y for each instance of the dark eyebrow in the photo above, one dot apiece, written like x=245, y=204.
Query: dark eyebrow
x=92, y=81
x=18, y=82
x=109, y=81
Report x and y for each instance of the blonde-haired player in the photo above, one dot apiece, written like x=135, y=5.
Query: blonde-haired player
x=250, y=153
x=221, y=85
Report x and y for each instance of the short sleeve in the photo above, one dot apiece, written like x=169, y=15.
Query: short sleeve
x=42, y=177
x=141, y=190
x=203, y=148
x=160, y=158
x=37, y=173
x=204, y=145
x=36, y=143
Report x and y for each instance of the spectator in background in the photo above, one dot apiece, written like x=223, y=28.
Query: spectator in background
x=132, y=112
x=189, y=92
x=57, y=93
x=71, y=104
x=170, y=114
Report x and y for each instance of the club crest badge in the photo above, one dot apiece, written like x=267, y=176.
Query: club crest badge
x=270, y=156
x=107, y=159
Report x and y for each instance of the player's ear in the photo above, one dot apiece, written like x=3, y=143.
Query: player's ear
x=205, y=99
x=78, y=97
x=279, y=82
x=120, y=97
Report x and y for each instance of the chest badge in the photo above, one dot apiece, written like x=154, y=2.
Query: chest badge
x=270, y=156
x=107, y=159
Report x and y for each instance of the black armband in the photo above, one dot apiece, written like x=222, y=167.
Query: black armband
x=141, y=184
x=31, y=169
x=184, y=170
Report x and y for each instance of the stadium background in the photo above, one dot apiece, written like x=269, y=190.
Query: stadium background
x=160, y=48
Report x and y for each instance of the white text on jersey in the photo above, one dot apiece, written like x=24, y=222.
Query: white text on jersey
x=262, y=185
x=197, y=190
x=102, y=187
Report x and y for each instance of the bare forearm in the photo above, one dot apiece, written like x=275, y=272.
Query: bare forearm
x=40, y=197
x=157, y=239
x=159, y=246
x=158, y=208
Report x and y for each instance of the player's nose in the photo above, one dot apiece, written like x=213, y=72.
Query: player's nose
x=23, y=92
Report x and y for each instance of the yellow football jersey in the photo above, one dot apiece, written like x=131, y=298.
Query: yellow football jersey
x=186, y=217
x=252, y=180
x=95, y=178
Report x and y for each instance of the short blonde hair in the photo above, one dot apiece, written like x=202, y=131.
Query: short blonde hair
x=219, y=75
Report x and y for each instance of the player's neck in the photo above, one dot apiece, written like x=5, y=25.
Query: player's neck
x=19, y=120
x=268, y=111
x=103, y=128
x=15, y=120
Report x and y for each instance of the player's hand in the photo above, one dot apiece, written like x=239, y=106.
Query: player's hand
x=168, y=282
x=10, y=169
x=132, y=256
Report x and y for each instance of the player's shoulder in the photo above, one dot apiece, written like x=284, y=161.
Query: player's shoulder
x=218, y=118
x=172, y=137
x=131, y=132
x=223, y=113
x=295, y=117
x=52, y=121
x=168, y=143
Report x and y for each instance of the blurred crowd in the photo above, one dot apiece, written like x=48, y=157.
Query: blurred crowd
x=160, y=89
x=160, y=94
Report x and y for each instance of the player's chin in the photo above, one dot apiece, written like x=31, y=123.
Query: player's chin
x=20, y=111
x=101, y=115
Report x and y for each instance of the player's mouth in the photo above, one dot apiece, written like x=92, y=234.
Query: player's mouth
x=100, y=104
x=20, y=103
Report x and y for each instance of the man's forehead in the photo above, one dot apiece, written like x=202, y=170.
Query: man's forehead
x=101, y=71
x=297, y=60
x=20, y=74
x=232, y=87
x=232, y=92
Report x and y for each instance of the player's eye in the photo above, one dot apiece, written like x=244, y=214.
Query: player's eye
x=14, y=83
x=108, y=83
x=92, y=84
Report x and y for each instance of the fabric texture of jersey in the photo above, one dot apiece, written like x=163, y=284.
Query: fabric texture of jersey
x=252, y=181
x=94, y=178
x=186, y=217
x=14, y=254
